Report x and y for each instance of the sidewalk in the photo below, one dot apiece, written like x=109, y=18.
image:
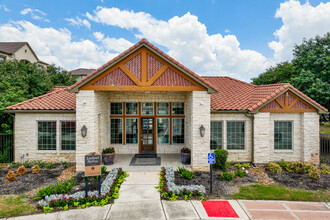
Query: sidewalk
x=138, y=199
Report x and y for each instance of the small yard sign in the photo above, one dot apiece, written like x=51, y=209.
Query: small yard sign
x=93, y=164
x=211, y=158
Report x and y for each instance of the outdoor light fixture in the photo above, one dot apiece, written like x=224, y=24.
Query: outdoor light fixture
x=84, y=131
x=202, y=130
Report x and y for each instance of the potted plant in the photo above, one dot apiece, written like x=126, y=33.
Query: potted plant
x=185, y=155
x=108, y=155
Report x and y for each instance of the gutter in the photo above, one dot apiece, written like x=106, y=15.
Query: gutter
x=251, y=115
x=40, y=111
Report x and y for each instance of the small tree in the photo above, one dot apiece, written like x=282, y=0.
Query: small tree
x=221, y=156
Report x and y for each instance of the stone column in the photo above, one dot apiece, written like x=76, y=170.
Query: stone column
x=198, y=113
x=311, y=137
x=262, y=137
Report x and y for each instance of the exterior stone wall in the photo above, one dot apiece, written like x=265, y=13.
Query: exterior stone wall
x=305, y=137
x=198, y=113
x=26, y=137
x=236, y=155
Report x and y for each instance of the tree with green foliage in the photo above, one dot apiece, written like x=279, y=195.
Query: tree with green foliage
x=20, y=81
x=309, y=71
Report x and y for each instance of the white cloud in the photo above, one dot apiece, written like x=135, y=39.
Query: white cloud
x=36, y=14
x=98, y=35
x=56, y=45
x=227, y=31
x=117, y=45
x=4, y=8
x=79, y=22
x=187, y=41
x=299, y=21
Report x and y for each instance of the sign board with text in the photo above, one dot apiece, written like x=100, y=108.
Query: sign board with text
x=93, y=164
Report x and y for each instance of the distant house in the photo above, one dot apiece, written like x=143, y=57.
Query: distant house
x=81, y=73
x=19, y=51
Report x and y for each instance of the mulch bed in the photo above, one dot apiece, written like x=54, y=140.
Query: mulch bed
x=220, y=186
x=300, y=180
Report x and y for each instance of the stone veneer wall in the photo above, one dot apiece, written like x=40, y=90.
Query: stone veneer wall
x=236, y=155
x=198, y=113
x=26, y=137
x=305, y=137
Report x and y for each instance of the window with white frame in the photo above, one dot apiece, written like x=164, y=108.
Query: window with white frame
x=216, y=135
x=46, y=135
x=235, y=135
x=283, y=135
x=68, y=135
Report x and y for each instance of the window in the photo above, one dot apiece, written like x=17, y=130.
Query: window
x=177, y=108
x=68, y=135
x=235, y=135
x=132, y=108
x=216, y=135
x=46, y=135
x=131, y=130
x=283, y=135
x=116, y=130
x=163, y=108
x=147, y=108
x=163, y=130
x=178, y=131
x=116, y=108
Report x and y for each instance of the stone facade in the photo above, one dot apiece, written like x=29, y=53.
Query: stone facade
x=236, y=155
x=305, y=137
x=198, y=113
x=26, y=137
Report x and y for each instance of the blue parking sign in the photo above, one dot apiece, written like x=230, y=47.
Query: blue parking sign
x=211, y=158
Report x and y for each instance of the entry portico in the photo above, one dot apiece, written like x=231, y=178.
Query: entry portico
x=143, y=102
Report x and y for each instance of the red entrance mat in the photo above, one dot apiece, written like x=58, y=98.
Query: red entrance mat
x=219, y=209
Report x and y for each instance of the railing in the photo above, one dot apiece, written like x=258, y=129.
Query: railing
x=6, y=148
x=325, y=148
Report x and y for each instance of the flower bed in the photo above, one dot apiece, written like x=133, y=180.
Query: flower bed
x=170, y=190
x=109, y=190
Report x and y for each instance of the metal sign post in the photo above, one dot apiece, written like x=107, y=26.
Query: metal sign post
x=211, y=160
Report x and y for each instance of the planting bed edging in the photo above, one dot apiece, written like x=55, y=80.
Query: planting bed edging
x=169, y=176
x=105, y=188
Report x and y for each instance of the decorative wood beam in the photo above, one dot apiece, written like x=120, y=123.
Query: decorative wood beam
x=144, y=67
x=292, y=103
x=280, y=103
x=157, y=75
x=130, y=75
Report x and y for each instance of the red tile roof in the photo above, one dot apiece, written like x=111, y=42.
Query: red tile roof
x=58, y=99
x=141, y=42
x=234, y=94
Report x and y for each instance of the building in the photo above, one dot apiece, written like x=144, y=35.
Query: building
x=19, y=51
x=81, y=73
x=144, y=101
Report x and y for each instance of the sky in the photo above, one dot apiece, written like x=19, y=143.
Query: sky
x=236, y=38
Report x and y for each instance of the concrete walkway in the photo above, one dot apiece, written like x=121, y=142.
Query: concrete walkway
x=138, y=199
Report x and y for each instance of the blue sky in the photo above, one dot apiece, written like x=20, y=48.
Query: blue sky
x=238, y=38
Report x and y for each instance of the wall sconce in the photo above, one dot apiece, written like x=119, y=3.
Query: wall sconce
x=84, y=131
x=202, y=130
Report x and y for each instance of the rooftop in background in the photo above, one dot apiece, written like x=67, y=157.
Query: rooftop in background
x=11, y=47
x=81, y=72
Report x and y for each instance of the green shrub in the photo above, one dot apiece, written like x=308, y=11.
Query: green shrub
x=238, y=165
x=185, y=173
x=325, y=169
x=28, y=164
x=65, y=186
x=308, y=167
x=295, y=167
x=65, y=164
x=314, y=173
x=43, y=192
x=274, y=167
x=40, y=163
x=103, y=172
x=283, y=163
x=239, y=173
x=221, y=156
x=227, y=176
x=51, y=165
x=246, y=165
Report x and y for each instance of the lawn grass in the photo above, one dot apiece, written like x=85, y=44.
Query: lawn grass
x=15, y=206
x=325, y=128
x=273, y=192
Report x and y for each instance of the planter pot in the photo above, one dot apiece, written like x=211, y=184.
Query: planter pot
x=185, y=158
x=108, y=158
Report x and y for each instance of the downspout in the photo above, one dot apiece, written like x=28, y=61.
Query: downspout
x=250, y=115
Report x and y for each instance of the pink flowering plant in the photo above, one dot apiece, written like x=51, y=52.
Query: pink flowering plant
x=108, y=150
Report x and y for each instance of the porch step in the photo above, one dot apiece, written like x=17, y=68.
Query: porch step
x=145, y=155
